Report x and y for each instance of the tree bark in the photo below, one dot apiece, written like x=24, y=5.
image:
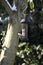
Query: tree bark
x=11, y=40
x=10, y=45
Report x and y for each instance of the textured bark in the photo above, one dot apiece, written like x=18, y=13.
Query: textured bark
x=11, y=40
x=10, y=45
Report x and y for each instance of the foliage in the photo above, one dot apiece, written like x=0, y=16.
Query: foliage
x=29, y=54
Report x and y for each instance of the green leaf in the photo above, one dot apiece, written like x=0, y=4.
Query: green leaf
x=32, y=5
x=22, y=44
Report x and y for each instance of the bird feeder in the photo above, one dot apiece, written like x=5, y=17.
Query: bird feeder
x=24, y=25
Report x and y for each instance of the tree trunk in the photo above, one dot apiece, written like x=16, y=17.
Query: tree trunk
x=9, y=47
x=11, y=40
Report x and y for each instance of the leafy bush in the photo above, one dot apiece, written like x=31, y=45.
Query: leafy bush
x=29, y=54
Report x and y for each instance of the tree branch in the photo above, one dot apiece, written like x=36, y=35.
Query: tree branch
x=4, y=3
x=14, y=8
